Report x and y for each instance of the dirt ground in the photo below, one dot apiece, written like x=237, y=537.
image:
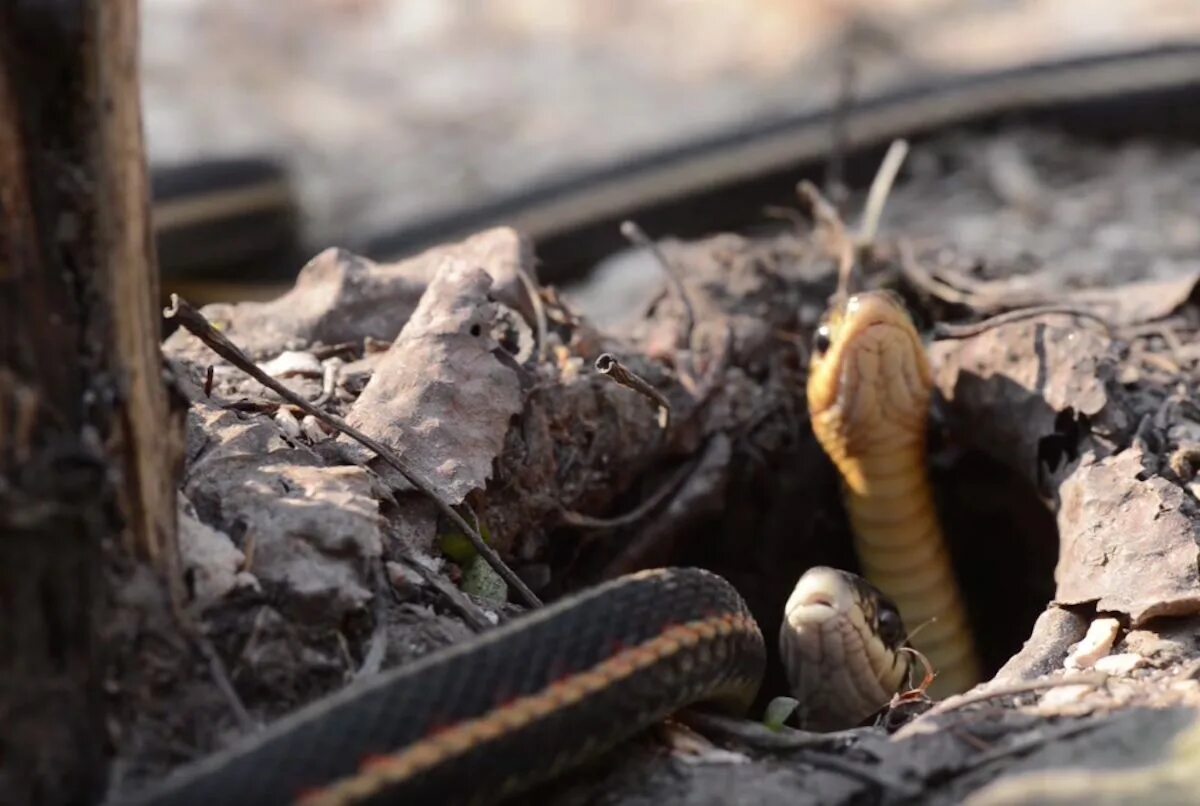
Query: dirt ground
x=1065, y=467
x=390, y=110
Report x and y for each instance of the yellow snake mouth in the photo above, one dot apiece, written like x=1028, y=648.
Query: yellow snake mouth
x=840, y=642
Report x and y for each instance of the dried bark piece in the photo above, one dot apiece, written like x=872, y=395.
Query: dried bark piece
x=1127, y=544
x=440, y=397
x=1009, y=387
x=342, y=297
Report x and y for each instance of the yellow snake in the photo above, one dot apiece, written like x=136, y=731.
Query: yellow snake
x=869, y=391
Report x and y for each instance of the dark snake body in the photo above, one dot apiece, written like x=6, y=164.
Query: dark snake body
x=493, y=716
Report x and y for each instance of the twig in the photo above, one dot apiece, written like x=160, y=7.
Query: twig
x=329, y=381
x=209, y=374
x=456, y=599
x=194, y=321
x=947, y=331
x=643, y=509
x=637, y=236
x=377, y=648
x=860, y=772
x=1026, y=744
x=216, y=669
x=607, y=364
x=814, y=749
x=1027, y=687
x=539, y=310
x=840, y=244
x=881, y=188
x=763, y=738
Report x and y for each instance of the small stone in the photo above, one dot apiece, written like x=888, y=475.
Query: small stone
x=287, y=422
x=1121, y=664
x=1064, y=695
x=1095, y=645
x=291, y=362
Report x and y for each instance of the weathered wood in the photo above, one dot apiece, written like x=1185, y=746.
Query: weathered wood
x=87, y=448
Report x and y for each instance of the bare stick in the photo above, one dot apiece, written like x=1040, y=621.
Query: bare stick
x=607, y=364
x=216, y=670
x=194, y=321
x=881, y=188
x=637, y=513
x=946, y=331
x=1024, y=745
x=1028, y=687
x=840, y=242
x=539, y=311
x=763, y=738
x=637, y=236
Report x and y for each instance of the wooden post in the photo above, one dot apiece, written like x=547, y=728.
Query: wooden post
x=89, y=450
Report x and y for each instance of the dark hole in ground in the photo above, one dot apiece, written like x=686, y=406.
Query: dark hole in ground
x=782, y=515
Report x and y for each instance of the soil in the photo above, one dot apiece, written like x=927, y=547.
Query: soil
x=1071, y=446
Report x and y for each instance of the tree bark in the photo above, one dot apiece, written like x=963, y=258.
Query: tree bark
x=89, y=448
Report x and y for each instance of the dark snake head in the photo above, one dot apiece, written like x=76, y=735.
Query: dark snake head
x=841, y=643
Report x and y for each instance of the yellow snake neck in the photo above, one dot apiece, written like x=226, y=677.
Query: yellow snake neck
x=869, y=395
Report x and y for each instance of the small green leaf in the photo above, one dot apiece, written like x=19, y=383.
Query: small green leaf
x=778, y=711
x=458, y=547
x=480, y=579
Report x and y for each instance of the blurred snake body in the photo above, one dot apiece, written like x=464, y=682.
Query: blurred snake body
x=494, y=716
x=869, y=391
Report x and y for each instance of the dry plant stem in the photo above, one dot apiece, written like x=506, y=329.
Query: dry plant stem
x=455, y=598
x=842, y=245
x=1028, y=743
x=974, y=698
x=763, y=738
x=640, y=511
x=220, y=676
x=197, y=325
x=637, y=236
x=881, y=188
x=607, y=364
x=539, y=310
x=945, y=331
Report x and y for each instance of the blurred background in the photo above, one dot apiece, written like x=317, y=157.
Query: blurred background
x=383, y=113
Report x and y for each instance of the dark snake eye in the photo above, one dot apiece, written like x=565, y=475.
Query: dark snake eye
x=821, y=340
x=891, y=627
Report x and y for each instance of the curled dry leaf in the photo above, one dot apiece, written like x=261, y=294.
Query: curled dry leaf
x=440, y=397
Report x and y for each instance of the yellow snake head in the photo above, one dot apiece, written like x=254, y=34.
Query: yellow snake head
x=840, y=643
x=869, y=379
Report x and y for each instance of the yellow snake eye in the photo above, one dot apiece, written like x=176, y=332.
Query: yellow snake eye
x=821, y=340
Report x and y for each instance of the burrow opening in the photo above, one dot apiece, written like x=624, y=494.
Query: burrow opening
x=782, y=514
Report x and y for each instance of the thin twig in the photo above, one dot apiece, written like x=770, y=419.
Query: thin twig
x=643, y=509
x=456, y=599
x=194, y=321
x=329, y=380
x=1057, y=733
x=607, y=364
x=1013, y=690
x=948, y=331
x=216, y=669
x=638, y=237
x=539, y=311
x=881, y=188
x=860, y=772
x=840, y=244
x=763, y=738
